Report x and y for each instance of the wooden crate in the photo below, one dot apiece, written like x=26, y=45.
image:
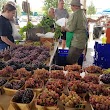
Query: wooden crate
x=44, y=39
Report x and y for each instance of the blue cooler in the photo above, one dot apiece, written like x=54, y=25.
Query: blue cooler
x=62, y=57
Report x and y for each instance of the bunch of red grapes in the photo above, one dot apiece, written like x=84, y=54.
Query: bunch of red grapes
x=105, y=78
x=2, y=81
x=34, y=83
x=6, y=72
x=74, y=67
x=73, y=75
x=55, y=85
x=100, y=102
x=57, y=74
x=21, y=73
x=93, y=69
x=47, y=98
x=91, y=78
x=78, y=86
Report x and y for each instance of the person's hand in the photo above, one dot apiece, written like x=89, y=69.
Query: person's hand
x=63, y=28
x=102, y=17
x=13, y=45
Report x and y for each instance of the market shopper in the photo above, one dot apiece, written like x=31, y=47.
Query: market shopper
x=77, y=23
x=60, y=12
x=6, y=38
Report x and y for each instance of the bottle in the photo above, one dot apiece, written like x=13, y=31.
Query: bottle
x=104, y=40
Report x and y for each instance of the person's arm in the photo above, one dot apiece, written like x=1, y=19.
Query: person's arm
x=71, y=24
x=7, y=41
x=93, y=20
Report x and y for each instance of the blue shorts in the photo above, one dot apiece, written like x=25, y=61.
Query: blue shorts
x=3, y=46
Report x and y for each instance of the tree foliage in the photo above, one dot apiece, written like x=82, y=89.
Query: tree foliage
x=91, y=9
x=2, y=2
x=54, y=4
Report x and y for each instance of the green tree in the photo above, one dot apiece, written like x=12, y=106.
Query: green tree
x=91, y=9
x=54, y=4
x=19, y=10
x=2, y=2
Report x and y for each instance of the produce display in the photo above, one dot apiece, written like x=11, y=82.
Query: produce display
x=2, y=81
x=21, y=73
x=105, y=78
x=15, y=84
x=95, y=89
x=34, y=83
x=6, y=72
x=72, y=100
x=74, y=67
x=41, y=74
x=91, y=78
x=93, y=69
x=32, y=55
x=100, y=102
x=23, y=96
x=57, y=74
x=78, y=86
x=47, y=98
x=73, y=75
x=55, y=85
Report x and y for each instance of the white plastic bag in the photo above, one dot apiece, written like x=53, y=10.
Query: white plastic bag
x=15, y=33
x=62, y=22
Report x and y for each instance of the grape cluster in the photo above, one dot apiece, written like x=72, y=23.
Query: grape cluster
x=57, y=74
x=55, y=85
x=6, y=72
x=73, y=75
x=2, y=81
x=91, y=78
x=74, y=67
x=15, y=84
x=95, y=89
x=47, y=98
x=106, y=71
x=93, y=69
x=100, y=102
x=34, y=83
x=27, y=54
x=41, y=74
x=105, y=91
x=72, y=100
x=78, y=86
x=105, y=78
x=21, y=73
x=23, y=96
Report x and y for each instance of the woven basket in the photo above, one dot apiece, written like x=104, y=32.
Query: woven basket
x=11, y=92
x=23, y=106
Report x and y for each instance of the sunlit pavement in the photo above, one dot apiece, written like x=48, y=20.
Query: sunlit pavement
x=90, y=52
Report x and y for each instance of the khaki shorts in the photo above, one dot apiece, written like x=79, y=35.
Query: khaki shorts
x=73, y=55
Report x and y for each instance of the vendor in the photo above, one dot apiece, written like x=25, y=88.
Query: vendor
x=6, y=38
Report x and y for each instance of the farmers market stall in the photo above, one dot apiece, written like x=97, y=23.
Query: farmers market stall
x=71, y=88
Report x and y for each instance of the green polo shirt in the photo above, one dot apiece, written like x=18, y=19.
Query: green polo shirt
x=77, y=23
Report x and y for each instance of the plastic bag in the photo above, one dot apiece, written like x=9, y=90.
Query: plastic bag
x=15, y=33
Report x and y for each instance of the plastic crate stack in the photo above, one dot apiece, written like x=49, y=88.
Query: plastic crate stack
x=102, y=55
